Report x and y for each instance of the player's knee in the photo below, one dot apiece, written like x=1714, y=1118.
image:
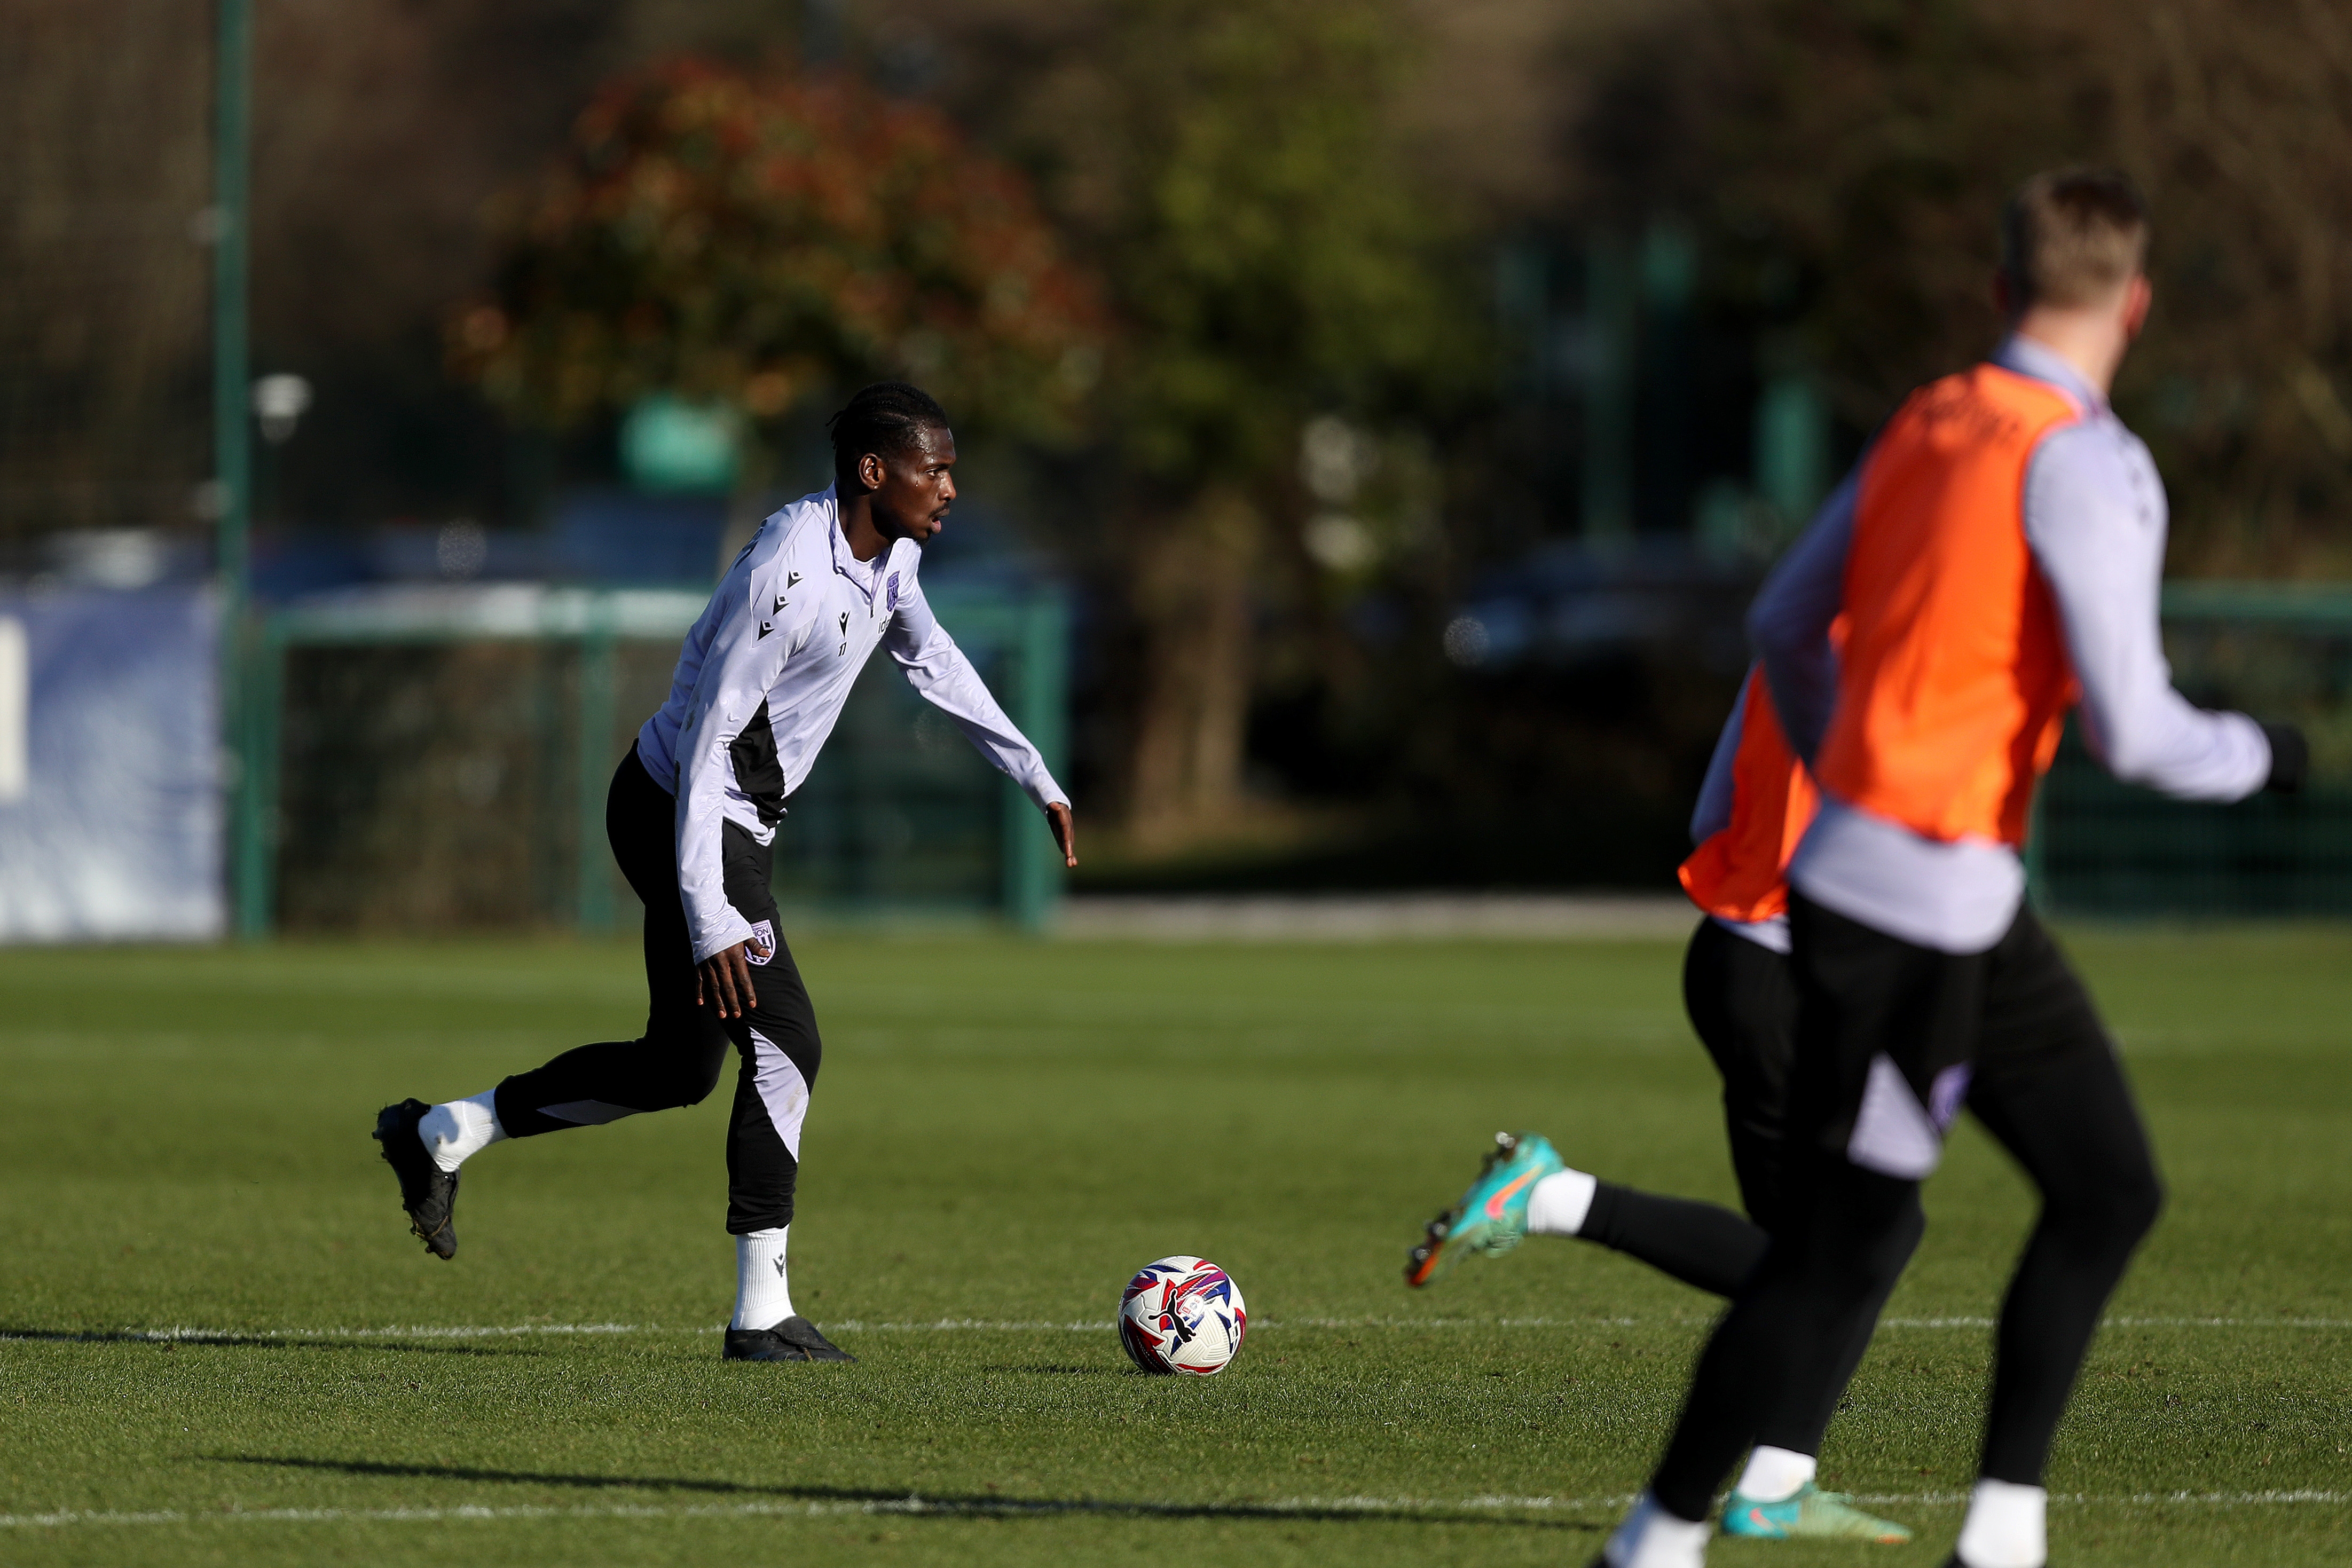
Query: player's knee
x=2113, y=1217
x=2137, y=1205
x=1858, y=1271
x=688, y=1062
x=694, y=1081
x=1902, y=1238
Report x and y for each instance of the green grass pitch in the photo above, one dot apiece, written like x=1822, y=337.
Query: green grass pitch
x=1003, y=1132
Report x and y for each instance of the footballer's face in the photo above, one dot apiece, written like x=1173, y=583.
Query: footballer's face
x=911, y=490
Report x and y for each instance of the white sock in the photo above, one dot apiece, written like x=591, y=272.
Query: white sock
x=2007, y=1527
x=1559, y=1202
x=1652, y=1537
x=763, y=1297
x=455, y=1133
x=1774, y=1474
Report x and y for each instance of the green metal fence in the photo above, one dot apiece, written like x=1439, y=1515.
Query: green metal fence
x=439, y=758
x=2279, y=650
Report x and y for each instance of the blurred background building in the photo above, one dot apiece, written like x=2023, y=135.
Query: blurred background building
x=1375, y=413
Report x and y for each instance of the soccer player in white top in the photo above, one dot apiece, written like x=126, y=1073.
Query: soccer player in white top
x=692, y=814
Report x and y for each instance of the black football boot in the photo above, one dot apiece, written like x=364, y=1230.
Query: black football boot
x=795, y=1338
x=428, y=1192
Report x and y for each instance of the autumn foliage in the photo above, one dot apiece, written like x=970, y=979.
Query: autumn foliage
x=758, y=240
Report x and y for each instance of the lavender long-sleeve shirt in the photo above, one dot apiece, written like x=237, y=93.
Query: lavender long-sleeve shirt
x=764, y=675
x=2095, y=520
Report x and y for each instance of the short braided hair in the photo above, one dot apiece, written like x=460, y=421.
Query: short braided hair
x=888, y=418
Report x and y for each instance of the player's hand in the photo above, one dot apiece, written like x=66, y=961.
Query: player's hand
x=1065, y=833
x=723, y=980
x=2290, y=758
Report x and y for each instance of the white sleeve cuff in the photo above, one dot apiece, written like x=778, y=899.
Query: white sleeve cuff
x=722, y=934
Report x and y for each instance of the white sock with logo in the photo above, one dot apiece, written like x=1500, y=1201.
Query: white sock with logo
x=1775, y=1475
x=763, y=1297
x=2007, y=1527
x=1652, y=1537
x=1559, y=1202
x=455, y=1133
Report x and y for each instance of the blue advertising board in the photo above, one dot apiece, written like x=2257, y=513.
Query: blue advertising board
x=110, y=766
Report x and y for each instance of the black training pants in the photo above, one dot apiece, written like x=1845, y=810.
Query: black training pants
x=1744, y=1006
x=2013, y=1031
x=676, y=1062
x=1742, y=1001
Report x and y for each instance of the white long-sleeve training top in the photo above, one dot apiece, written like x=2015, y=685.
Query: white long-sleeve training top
x=2094, y=518
x=764, y=676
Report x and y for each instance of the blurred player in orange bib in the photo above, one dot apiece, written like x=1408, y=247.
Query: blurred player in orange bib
x=1994, y=561
x=1741, y=996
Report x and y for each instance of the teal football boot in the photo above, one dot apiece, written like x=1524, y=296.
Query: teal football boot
x=1812, y=1514
x=1492, y=1216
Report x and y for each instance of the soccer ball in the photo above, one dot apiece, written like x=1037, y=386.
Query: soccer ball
x=1183, y=1315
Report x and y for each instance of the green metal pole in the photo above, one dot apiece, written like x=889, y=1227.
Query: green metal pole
x=593, y=910
x=1611, y=315
x=259, y=738
x=233, y=447
x=1033, y=868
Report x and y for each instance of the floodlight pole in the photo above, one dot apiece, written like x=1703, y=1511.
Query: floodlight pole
x=233, y=446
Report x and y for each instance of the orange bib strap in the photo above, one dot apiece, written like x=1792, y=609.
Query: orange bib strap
x=1740, y=873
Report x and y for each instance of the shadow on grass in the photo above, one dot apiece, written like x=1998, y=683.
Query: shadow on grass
x=951, y=1505
x=167, y=1339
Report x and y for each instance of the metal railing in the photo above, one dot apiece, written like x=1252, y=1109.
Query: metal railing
x=2281, y=651
x=1018, y=637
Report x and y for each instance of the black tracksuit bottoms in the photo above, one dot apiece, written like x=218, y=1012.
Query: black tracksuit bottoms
x=676, y=1061
x=2011, y=1031
x=1742, y=1001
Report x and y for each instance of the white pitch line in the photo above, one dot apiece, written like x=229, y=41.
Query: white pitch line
x=184, y=1335
x=920, y=1507
x=1983, y=1323
x=193, y=1335
x=980, y=1325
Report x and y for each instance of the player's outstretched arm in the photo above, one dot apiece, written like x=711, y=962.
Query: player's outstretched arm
x=941, y=673
x=2099, y=541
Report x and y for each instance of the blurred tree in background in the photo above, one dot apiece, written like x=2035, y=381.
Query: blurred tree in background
x=1857, y=153
x=1231, y=171
x=754, y=242
x=103, y=291
x=1235, y=168
x=1317, y=424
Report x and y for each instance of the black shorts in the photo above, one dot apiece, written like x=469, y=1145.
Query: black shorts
x=1742, y=1000
x=1898, y=1037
